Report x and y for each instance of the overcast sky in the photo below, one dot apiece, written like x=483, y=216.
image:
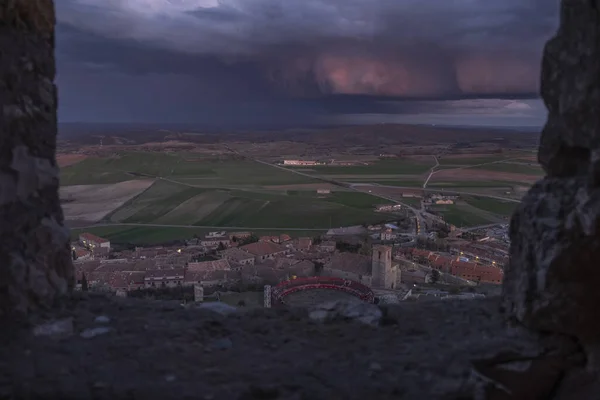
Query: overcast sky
x=250, y=60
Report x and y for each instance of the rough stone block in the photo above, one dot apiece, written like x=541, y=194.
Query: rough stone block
x=35, y=262
x=550, y=282
x=36, y=15
x=570, y=87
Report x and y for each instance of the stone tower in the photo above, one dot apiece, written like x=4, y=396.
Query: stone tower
x=383, y=272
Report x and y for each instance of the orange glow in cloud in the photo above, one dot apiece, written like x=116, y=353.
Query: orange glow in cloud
x=362, y=75
x=411, y=77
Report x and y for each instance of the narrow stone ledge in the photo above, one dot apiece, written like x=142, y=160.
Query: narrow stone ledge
x=114, y=348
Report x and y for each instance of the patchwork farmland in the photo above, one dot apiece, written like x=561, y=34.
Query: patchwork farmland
x=155, y=196
x=396, y=172
x=171, y=203
x=187, y=168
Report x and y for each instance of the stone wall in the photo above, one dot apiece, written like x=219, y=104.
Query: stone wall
x=550, y=282
x=35, y=265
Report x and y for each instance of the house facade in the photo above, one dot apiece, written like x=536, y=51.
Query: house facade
x=162, y=278
x=91, y=241
x=352, y=266
x=265, y=250
x=238, y=256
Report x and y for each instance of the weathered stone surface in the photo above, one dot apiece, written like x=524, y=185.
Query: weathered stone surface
x=341, y=310
x=570, y=87
x=550, y=284
x=25, y=15
x=521, y=377
x=555, y=252
x=35, y=265
x=554, y=234
x=424, y=351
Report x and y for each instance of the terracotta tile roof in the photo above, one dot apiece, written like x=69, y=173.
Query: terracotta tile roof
x=261, y=248
x=165, y=273
x=115, y=267
x=144, y=265
x=82, y=253
x=432, y=257
x=312, y=255
x=421, y=253
x=237, y=255
x=304, y=243
x=270, y=275
x=268, y=263
x=93, y=238
x=216, y=265
x=441, y=262
x=125, y=280
x=303, y=268
x=206, y=275
x=350, y=262
x=473, y=271
x=284, y=263
x=86, y=267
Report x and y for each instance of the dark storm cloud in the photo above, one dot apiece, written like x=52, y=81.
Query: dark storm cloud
x=406, y=48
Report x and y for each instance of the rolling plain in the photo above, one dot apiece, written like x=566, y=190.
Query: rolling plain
x=159, y=190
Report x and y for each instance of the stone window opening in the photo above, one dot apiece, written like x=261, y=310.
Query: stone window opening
x=553, y=298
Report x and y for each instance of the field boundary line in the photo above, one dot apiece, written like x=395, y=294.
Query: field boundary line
x=128, y=202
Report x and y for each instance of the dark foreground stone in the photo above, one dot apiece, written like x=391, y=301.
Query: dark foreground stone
x=35, y=256
x=115, y=348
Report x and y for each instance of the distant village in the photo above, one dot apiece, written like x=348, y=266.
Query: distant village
x=242, y=261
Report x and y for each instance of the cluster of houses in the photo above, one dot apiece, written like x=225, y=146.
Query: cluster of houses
x=389, y=208
x=466, y=261
x=218, y=259
x=312, y=163
x=234, y=259
x=304, y=163
x=439, y=199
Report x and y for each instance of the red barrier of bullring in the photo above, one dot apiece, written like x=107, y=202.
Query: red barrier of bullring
x=351, y=287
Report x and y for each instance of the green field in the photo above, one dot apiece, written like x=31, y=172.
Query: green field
x=183, y=167
x=499, y=207
x=150, y=235
x=458, y=161
x=196, y=193
x=411, y=201
x=347, y=198
x=170, y=203
x=459, y=217
x=454, y=185
x=513, y=168
x=381, y=167
x=392, y=181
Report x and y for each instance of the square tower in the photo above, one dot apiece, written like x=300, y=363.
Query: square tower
x=383, y=272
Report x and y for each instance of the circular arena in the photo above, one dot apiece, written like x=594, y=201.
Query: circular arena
x=309, y=291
